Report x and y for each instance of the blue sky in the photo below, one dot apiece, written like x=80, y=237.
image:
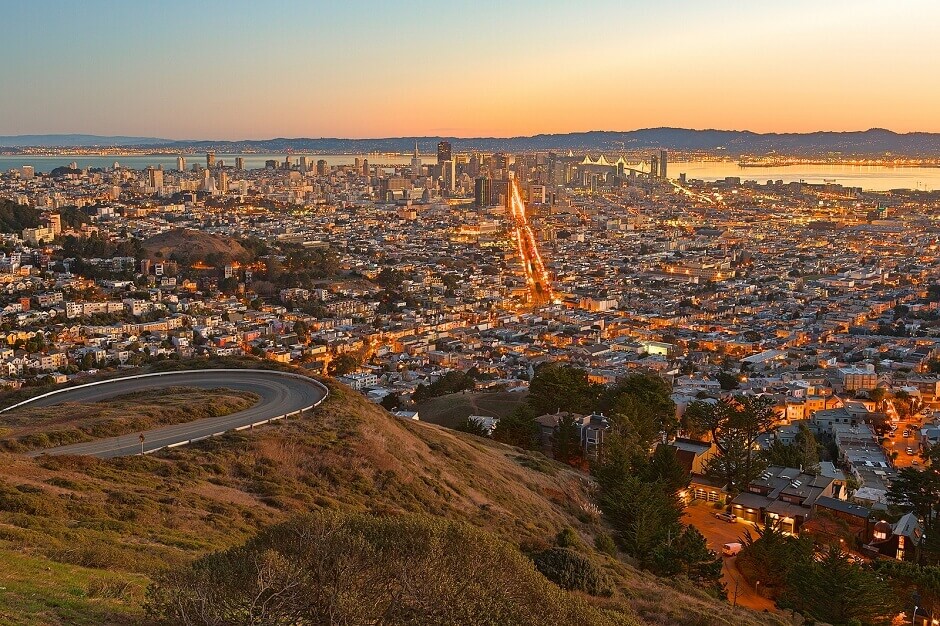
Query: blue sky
x=213, y=69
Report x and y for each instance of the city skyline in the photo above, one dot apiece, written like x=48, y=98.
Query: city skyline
x=232, y=71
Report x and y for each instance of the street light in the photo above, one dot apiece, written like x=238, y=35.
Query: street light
x=142, y=439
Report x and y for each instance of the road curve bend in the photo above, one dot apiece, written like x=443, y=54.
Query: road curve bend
x=281, y=394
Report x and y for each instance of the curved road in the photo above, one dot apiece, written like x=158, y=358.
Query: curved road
x=281, y=393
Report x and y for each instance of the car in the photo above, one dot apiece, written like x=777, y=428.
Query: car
x=915, y=463
x=731, y=549
x=910, y=452
x=907, y=434
x=727, y=517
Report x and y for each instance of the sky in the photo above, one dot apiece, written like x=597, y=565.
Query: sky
x=258, y=69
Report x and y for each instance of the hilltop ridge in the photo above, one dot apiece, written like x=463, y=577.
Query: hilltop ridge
x=99, y=530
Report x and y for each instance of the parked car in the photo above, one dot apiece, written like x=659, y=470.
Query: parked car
x=907, y=433
x=910, y=452
x=731, y=549
x=727, y=517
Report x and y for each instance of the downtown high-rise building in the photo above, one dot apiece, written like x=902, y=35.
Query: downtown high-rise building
x=449, y=174
x=322, y=168
x=181, y=163
x=155, y=179
x=444, y=152
x=239, y=163
x=210, y=159
x=416, y=162
x=662, y=163
x=654, y=166
x=481, y=192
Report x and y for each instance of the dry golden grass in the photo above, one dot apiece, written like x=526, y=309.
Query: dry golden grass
x=141, y=515
x=30, y=428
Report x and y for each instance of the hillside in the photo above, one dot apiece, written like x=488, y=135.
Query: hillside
x=80, y=538
x=192, y=245
x=31, y=428
x=451, y=409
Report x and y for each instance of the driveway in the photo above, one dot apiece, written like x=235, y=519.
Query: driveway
x=717, y=533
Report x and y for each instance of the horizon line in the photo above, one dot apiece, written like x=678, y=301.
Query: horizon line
x=471, y=137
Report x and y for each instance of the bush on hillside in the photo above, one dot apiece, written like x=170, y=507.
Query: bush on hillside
x=573, y=571
x=334, y=569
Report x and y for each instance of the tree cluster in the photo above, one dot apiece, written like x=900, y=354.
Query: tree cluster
x=452, y=382
x=735, y=424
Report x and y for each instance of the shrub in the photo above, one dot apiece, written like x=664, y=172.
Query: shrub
x=573, y=571
x=329, y=568
x=568, y=538
x=606, y=544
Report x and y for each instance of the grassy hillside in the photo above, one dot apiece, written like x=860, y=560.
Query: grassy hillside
x=80, y=537
x=32, y=428
x=451, y=409
x=192, y=244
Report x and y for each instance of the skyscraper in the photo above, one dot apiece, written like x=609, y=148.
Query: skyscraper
x=239, y=163
x=481, y=191
x=449, y=171
x=654, y=167
x=321, y=167
x=662, y=163
x=180, y=163
x=443, y=152
x=210, y=159
x=416, y=162
x=365, y=168
x=155, y=179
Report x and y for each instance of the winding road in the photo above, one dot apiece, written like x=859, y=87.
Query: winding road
x=281, y=394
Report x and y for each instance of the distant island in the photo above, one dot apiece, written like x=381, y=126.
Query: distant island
x=873, y=142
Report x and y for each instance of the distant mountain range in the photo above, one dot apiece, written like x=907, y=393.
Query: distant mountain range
x=875, y=142
x=76, y=141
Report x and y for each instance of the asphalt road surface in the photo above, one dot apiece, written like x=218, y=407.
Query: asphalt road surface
x=279, y=394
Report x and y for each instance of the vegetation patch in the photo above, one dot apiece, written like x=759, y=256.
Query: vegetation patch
x=42, y=427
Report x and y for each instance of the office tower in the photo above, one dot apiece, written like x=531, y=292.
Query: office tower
x=155, y=179
x=473, y=165
x=210, y=159
x=357, y=165
x=223, y=181
x=481, y=191
x=416, y=162
x=654, y=167
x=304, y=164
x=321, y=167
x=206, y=180
x=443, y=152
x=287, y=162
x=180, y=163
x=239, y=163
x=449, y=173
x=662, y=163
x=365, y=168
